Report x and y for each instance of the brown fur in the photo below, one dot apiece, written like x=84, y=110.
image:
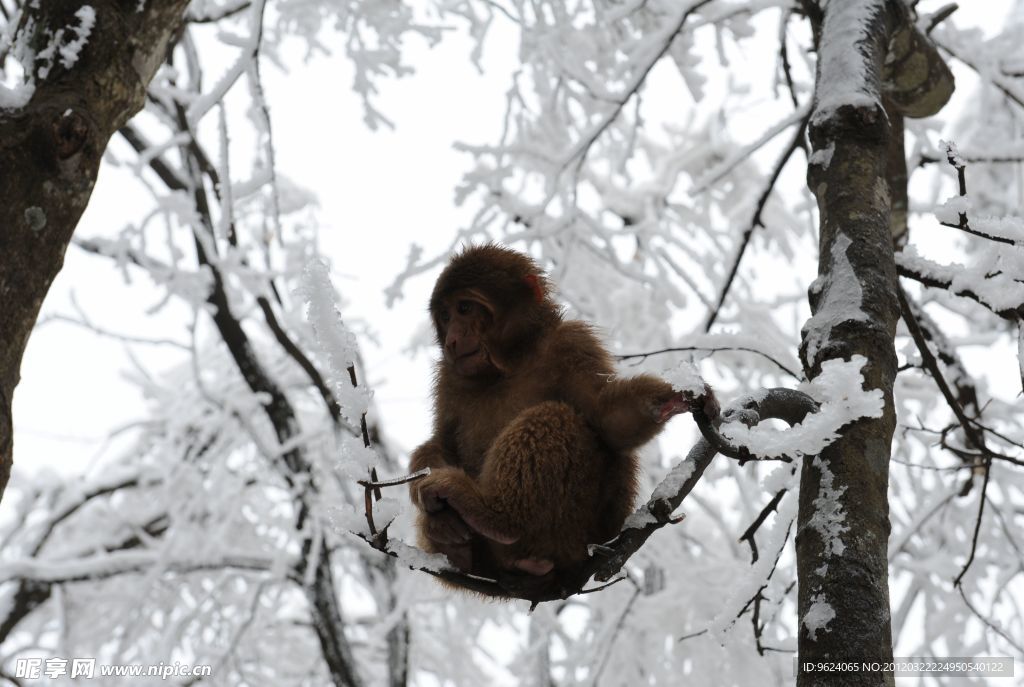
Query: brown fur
x=532, y=454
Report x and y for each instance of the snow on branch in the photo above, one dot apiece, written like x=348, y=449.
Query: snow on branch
x=107, y=565
x=845, y=79
x=339, y=348
x=839, y=391
x=336, y=341
x=999, y=292
x=995, y=277
x=841, y=298
x=62, y=47
x=658, y=47
x=69, y=50
x=250, y=47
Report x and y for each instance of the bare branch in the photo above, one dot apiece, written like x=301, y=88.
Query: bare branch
x=412, y=477
x=755, y=220
x=977, y=524
x=748, y=534
x=710, y=349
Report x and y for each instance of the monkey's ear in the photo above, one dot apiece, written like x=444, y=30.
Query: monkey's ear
x=533, y=281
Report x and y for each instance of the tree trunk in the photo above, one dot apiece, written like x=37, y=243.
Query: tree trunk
x=843, y=521
x=50, y=149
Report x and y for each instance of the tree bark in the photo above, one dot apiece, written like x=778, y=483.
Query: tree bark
x=866, y=48
x=50, y=151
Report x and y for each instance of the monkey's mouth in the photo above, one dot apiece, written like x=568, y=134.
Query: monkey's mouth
x=473, y=363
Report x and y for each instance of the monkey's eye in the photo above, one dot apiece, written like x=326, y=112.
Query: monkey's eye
x=444, y=316
x=464, y=307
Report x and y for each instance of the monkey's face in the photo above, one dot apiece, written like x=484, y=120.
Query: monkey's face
x=464, y=320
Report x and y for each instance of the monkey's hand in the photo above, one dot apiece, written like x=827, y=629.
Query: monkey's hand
x=444, y=532
x=681, y=402
x=446, y=527
x=451, y=488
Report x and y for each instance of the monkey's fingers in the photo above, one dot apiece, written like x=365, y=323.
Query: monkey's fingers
x=446, y=527
x=433, y=496
x=534, y=566
x=679, y=403
x=672, y=407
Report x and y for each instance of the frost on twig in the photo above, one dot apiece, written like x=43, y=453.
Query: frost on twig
x=337, y=344
x=995, y=276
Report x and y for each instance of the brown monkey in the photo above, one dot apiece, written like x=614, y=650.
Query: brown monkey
x=532, y=454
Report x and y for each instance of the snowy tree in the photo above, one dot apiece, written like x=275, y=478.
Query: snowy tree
x=54, y=124
x=216, y=525
x=688, y=173
x=649, y=213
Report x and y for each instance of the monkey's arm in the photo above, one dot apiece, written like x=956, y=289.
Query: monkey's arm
x=451, y=504
x=630, y=412
x=626, y=412
x=428, y=455
x=451, y=489
x=442, y=526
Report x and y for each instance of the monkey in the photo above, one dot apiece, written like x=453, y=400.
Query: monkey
x=533, y=451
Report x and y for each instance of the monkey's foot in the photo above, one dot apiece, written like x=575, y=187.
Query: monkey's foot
x=461, y=557
x=534, y=566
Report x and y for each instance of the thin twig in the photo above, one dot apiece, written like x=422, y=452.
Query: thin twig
x=748, y=534
x=8, y=423
x=755, y=220
x=982, y=159
x=1011, y=314
x=784, y=57
x=583, y=146
x=710, y=349
x=627, y=607
x=988, y=623
x=370, y=489
x=954, y=159
x=977, y=523
x=412, y=477
x=603, y=586
x=940, y=15
x=932, y=365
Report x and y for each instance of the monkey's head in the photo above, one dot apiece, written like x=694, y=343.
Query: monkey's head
x=490, y=306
